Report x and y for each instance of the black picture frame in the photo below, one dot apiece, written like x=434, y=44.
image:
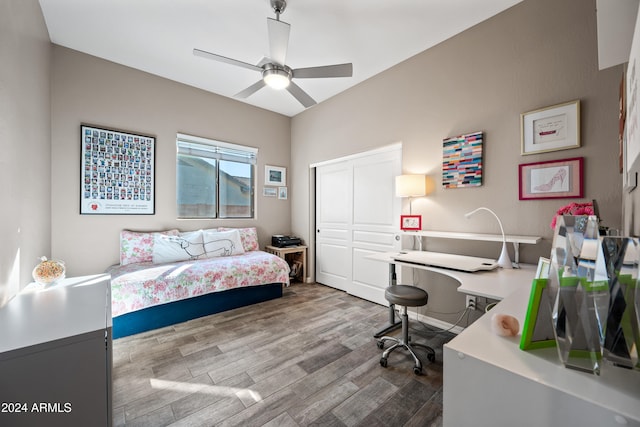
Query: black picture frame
x=117, y=172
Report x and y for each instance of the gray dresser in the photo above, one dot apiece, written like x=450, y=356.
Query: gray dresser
x=56, y=355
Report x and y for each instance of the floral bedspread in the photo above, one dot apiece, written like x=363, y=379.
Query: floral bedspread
x=141, y=285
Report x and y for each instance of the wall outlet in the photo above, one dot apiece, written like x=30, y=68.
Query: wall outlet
x=471, y=302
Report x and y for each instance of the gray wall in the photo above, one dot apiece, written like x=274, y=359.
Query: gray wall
x=86, y=89
x=25, y=127
x=535, y=54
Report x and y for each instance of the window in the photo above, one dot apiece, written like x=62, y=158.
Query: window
x=214, y=179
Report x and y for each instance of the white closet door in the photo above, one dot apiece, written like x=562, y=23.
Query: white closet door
x=357, y=214
x=333, y=225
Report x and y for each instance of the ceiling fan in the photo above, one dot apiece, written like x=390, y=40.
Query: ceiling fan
x=275, y=73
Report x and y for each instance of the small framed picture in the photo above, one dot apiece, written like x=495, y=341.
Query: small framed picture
x=556, y=179
x=282, y=193
x=542, y=272
x=551, y=129
x=537, y=331
x=275, y=175
x=410, y=222
x=269, y=192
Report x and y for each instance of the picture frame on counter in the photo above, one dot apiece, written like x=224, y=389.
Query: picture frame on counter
x=410, y=222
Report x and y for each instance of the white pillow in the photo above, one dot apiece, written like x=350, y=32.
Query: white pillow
x=182, y=247
x=222, y=243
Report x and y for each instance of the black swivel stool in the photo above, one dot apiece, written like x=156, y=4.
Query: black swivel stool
x=405, y=296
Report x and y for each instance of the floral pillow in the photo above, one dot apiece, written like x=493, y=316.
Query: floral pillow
x=137, y=246
x=248, y=236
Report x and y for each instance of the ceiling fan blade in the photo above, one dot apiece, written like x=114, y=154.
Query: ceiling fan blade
x=220, y=58
x=338, y=70
x=302, y=96
x=250, y=90
x=278, y=40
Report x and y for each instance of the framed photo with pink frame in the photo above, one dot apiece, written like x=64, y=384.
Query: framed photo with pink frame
x=555, y=179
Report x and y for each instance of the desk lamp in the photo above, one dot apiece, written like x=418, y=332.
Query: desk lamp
x=504, y=261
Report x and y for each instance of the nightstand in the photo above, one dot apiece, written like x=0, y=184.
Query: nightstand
x=296, y=257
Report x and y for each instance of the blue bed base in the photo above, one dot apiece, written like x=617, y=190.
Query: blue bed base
x=171, y=313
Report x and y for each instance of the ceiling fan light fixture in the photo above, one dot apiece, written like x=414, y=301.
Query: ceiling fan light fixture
x=276, y=77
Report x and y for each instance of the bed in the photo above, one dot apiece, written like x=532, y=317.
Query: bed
x=147, y=293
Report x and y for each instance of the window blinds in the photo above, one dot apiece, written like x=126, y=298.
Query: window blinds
x=211, y=149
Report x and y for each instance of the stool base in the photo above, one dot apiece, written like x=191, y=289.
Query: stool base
x=404, y=342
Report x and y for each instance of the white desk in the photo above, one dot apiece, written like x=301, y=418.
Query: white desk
x=489, y=381
x=495, y=284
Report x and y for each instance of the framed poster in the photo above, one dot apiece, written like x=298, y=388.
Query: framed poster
x=410, y=222
x=117, y=172
x=275, y=175
x=556, y=179
x=550, y=129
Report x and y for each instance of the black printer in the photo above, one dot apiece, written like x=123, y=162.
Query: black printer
x=281, y=241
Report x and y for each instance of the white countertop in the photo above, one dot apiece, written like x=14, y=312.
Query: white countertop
x=495, y=284
x=616, y=388
x=42, y=314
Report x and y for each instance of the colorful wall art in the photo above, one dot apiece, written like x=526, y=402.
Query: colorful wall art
x=462, y=161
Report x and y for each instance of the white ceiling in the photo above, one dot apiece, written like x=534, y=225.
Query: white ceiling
x=158, y=36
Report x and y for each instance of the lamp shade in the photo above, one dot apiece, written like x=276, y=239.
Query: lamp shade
x=411, y=186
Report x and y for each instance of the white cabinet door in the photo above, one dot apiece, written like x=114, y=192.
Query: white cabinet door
x=357, y=214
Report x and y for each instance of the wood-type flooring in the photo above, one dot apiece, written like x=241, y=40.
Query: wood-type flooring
x=308, y=358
